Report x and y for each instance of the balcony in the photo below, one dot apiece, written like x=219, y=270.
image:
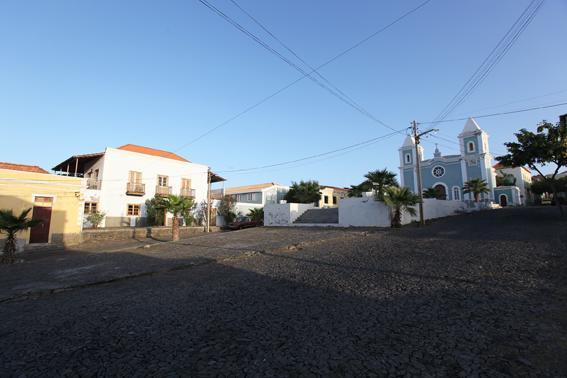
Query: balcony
x=187, y=192
x=93, y=184
x=163, y=190
x=135, y=189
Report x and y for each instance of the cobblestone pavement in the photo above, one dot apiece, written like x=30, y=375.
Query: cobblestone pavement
x=474, y=295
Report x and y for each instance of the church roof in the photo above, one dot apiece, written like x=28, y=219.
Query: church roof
x=408, y=142
x=471, y=127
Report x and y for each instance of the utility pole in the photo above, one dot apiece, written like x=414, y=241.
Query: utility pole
x=417, y=136
x=208, y=200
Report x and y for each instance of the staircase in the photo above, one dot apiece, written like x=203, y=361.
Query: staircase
x=319, y=216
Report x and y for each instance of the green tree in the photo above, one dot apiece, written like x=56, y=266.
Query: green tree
x=476, y=187
x=11, y=225
x=379, y=180
x=544, y=186
x=304, y=192
x=156, y=210
x=179, y=206
x=357, y=190
x=227, y=207
x=400, y=200
x=430, y=193
x=257, y=215
x=505, y=179
x=546, y=146
x=95, y=218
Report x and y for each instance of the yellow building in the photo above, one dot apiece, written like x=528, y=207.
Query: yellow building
x=331, y=196
x=56, y=200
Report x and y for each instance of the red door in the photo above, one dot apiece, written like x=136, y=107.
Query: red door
x=40, y=233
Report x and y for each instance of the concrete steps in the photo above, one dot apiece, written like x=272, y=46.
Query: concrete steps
x=319, y=216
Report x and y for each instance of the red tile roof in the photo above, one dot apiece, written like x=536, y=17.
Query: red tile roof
x=501, y=166
x=22, y=167
x=152, y=151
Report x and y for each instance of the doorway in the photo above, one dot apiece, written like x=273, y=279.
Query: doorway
x=440, y=192
x=41, y=211
x=503, y=200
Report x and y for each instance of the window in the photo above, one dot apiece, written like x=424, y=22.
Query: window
x=438, y=171
x=326, y=199
x=133, y=210
x=334, y=200
x=456, y=193
x=162, y=180
x=185, y=183
x=91, y=207
x=470, y=147
x=135, y=177
x=408, y=158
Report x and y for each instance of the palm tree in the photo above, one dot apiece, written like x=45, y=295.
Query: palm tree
x=476, y=187
x=400, y=200
x=11, y=225
x=177, y=205
x=257, y=215
x=379, y=180
x=430, y=193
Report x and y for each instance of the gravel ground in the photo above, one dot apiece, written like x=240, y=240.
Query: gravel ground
x=475, y=295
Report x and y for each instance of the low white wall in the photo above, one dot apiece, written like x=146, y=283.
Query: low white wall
x=363, y=212
x=433, y=208
x=284, y=214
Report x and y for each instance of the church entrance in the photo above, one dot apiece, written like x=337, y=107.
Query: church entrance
x=441, y=192
x=503, y=200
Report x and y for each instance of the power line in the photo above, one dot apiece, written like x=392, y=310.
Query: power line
x=273, y=51
x=495, y=56
x=282, y=89
x=499, y=114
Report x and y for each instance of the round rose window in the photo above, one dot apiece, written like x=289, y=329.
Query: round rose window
x=438, y=171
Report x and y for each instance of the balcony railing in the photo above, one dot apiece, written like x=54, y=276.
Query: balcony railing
x=93, y=184
x=163, y=190
x=187, y=192
x=135, y=189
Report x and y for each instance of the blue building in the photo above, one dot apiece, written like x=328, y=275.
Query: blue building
x=447, y=174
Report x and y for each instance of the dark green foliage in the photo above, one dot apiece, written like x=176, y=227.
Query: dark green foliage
x=505, y=179
x=257, y=215
x=227, y=208
x=11, y=225
x=545, y=186
x=304, y=192
x=155, y=211
x=400, y=200
x=476, y=187
x=546, y=146
x=377, y=180
x=430, y=193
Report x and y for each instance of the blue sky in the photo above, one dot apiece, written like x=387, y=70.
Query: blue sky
x=76, y=77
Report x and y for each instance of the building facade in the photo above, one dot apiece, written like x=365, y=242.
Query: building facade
x=522, y=180
x=448, y=174
x=119, y=181
x=256, y=196
x=331, y=196
x=55, y=200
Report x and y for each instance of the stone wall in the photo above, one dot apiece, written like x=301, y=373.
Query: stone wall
x=139, y=233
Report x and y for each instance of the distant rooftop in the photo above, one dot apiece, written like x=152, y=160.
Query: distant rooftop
x=249, y=188
x=22, y=167
x=152, y=151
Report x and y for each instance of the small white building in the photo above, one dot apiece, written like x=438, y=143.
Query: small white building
x=120, y=180
x=256, y=196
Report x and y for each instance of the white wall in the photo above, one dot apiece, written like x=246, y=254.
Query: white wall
x=363, y=212
x=117, y=163
x=284, y=214
x=433, y=208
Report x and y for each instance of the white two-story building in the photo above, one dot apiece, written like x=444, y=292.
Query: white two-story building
x=120, y=180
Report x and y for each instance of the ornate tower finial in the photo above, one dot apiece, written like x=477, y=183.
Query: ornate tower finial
x=437, y=153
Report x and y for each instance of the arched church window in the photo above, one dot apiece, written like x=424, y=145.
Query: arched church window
x=408, y=158
x=456, y=193
x=438, y=171
x=470, y=146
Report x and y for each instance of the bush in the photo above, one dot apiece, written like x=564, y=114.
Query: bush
x=95, y=219
x=227, y=208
